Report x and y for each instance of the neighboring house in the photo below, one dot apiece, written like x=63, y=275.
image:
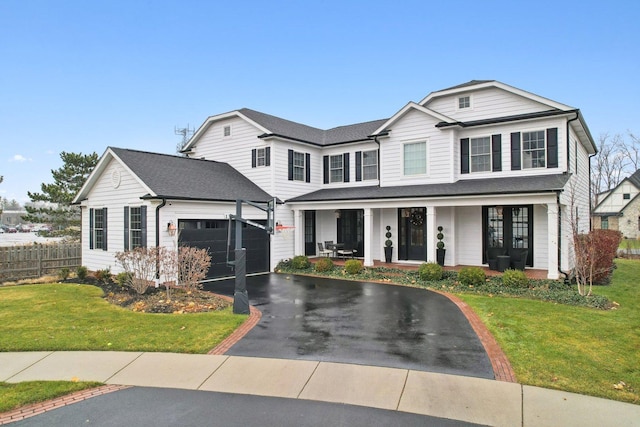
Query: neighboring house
x=494, y=165
x=620, y=208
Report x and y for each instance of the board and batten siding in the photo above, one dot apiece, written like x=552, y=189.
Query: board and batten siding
x=104, y=195
x=468, y=234
x=485, y=103
x=540, y=242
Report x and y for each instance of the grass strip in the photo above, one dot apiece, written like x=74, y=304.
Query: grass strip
x=19, y=394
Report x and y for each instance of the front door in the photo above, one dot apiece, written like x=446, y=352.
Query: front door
x=412, y=234
x=310, y=233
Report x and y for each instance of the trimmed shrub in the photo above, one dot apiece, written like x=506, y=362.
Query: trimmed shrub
x=430, y=271
x=103, y=275
x=82, y=272
x=324, y=264
x=515, y=279
x=63, y=274
x=353, y=266
x=124, y=278
x=300, y=262
x=471, y=276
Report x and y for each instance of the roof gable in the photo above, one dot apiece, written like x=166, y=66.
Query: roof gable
x=273, y=126
x=174, y=177
x=482, y=84
x=411, y=106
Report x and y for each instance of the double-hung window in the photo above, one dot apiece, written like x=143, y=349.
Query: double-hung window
x=370, y=164
x=98, y=228
x=533, y=150
x=336, y=168
x=480, y=154
x=298, y=166
x=415, y=158
x=135, y=227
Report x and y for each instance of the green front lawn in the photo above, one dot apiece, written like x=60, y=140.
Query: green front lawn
x=20, y=394
x=76, y=317
x=575, y=349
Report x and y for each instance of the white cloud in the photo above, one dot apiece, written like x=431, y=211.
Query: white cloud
x=20, y=158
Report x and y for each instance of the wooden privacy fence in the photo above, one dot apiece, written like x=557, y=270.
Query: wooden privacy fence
x=25, y=262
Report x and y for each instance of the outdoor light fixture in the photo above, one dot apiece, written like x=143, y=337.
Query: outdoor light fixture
x=337, y=212
x=499, y=210
x=171, y=228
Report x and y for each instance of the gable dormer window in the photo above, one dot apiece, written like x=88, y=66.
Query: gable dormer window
x=226, y=131
x=464, y=102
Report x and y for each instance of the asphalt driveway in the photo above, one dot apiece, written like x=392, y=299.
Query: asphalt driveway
x=375, y=324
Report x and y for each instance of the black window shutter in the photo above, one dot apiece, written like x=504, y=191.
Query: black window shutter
x=325, y=164
x=552, y=147
x=90, y=228
x=345, y=166
x=358, y=165
x=290, y=165
x=464, y=155
x=515, y=151
x=143, y=226
x=307, y=167
x=267, y=156
x=104, y=227
x=253, y=158
x=496, y=153
x=126, y=228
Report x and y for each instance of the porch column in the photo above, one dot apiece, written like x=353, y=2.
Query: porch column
x=552, y=241
x=431, y=234
x=368, y=237
x=298, y=232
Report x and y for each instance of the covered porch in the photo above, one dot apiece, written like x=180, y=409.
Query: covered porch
x=473, y=229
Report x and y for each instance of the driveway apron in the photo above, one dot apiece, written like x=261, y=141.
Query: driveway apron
x=330, y=320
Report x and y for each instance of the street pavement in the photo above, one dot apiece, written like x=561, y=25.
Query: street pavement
x=294, y=384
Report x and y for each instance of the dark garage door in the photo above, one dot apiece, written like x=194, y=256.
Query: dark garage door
x=212, y=235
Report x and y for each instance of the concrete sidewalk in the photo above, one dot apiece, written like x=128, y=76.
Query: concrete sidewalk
x=458, y=398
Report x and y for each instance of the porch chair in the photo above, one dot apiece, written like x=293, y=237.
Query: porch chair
x=324, y=252
x=519, y=258
x=347, y=251
x=492, y=257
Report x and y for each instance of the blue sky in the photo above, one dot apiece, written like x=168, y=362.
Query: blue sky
x=79, y=76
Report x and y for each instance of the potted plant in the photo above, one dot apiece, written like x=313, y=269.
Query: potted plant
x=440, y=251
x=388, y=246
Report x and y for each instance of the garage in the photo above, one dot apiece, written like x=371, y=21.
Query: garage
x=213, y=234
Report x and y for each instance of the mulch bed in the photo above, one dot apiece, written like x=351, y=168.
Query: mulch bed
x=155, y=300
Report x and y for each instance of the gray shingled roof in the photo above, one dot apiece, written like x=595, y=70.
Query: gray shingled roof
x=176, y=177
x=474, y=187
x=300, y=132
x=469, y=83
x=635, y=178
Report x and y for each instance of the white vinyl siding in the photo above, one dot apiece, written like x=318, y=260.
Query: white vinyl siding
x=486, y=103
x=415, y=158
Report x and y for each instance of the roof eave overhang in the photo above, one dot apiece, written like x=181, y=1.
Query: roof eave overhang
x=199, y=199
x=506, y=119
x=435, y=196
x=268, y=136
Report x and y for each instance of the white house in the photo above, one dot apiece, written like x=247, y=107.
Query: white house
x=619, y=208
x=498, y=168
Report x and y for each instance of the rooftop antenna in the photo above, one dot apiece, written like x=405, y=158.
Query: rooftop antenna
x=186, y=135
